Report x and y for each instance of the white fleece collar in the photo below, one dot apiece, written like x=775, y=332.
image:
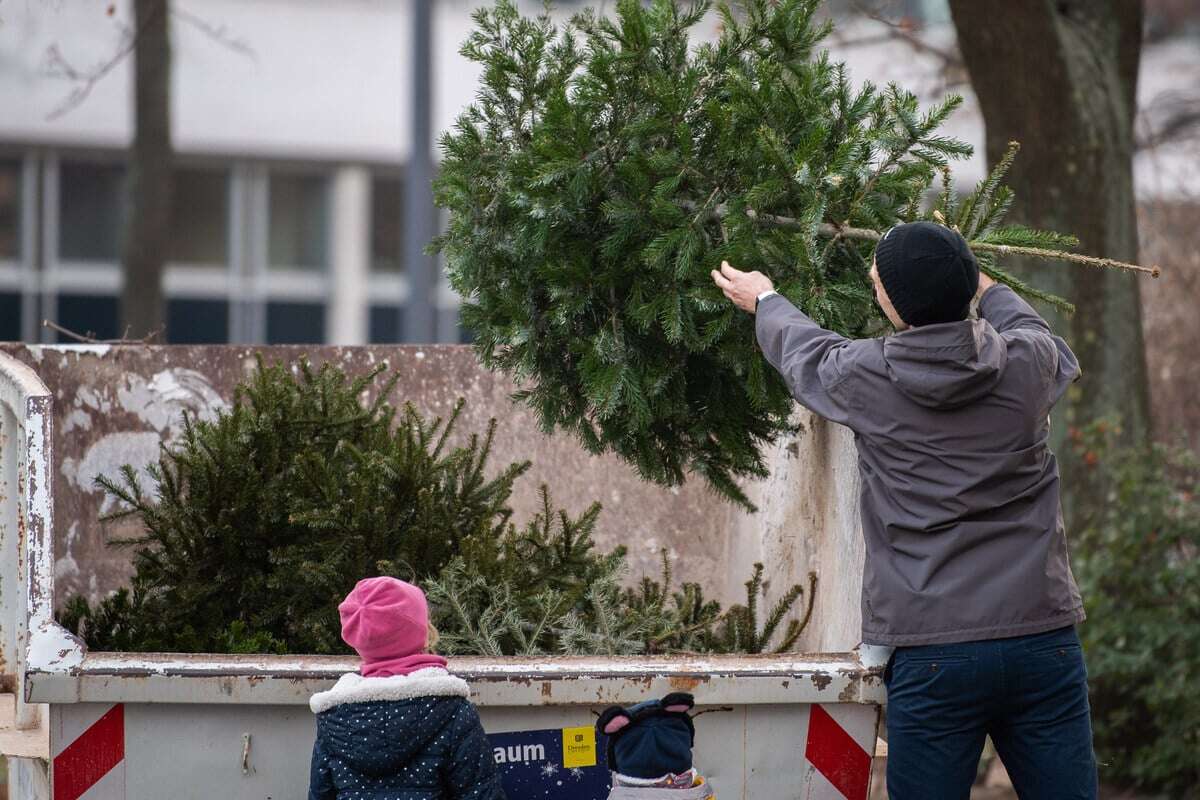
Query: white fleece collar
x=354, y=688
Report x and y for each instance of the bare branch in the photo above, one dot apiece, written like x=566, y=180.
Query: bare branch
x=57, y=66
x=1177, y=115
x=953, y=69
x=90, y=338
x=218, y=32
x=907, y=32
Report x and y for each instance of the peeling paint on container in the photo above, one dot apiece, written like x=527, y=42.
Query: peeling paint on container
x=79, y=349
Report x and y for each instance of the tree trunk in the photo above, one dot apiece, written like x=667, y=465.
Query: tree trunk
x=148, y=221
x=1060, y=76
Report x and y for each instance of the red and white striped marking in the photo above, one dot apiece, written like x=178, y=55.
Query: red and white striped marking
x=838, y=749
x=89, y=757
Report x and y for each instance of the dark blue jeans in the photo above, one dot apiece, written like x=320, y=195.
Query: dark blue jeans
x=1029, y=693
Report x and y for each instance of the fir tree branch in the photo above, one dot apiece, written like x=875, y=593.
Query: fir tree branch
x=834, y=230
x=1058, y=255
x=987, y=264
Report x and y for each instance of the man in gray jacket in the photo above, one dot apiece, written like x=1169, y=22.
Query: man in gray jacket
x=966, y=571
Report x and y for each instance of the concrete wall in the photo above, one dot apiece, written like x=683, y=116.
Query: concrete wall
x=115, y=405
x=808, y=522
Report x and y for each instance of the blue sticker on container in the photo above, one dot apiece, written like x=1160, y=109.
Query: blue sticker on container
x=554, y=764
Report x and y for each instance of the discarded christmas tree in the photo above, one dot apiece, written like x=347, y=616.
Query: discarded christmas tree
x=609, y=165
x=257, y=524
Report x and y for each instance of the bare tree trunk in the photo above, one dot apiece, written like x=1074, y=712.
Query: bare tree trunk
x=147, y=225
x=1060, y=76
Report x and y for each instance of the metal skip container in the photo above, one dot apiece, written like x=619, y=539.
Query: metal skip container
x=141, y=726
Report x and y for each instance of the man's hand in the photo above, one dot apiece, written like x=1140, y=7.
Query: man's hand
x=985, y=283
x=743, y=288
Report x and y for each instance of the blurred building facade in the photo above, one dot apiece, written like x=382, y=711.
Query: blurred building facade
x=292, y=133
x=291, y=139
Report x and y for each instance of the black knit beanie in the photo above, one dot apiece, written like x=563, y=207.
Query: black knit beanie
x=928, y=271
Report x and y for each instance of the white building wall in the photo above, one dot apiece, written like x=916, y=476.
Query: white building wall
x=330, y=80
x=321, y=81
x=267, y=85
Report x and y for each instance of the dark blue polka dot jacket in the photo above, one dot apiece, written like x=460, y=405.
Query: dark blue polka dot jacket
x=407, y=737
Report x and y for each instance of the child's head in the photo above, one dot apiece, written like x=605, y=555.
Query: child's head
x=650, y=739
x=924, y=274
x=386, y=618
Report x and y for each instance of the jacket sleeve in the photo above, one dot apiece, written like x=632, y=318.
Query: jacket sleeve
x=814, y=362
x=320, y=780
x=471, y=774
x=1013, y=317
x=1006, y=311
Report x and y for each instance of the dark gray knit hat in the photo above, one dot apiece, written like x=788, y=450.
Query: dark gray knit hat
x=928, y=271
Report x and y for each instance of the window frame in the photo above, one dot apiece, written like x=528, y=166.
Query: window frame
x=102, y=278
x=247, y=282
x=258, y=282
x=19, y=275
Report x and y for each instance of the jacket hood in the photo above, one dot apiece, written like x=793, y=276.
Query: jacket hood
x=946, y=366
x=379, y=725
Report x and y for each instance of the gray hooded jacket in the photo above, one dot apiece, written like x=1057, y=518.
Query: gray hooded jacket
x=960, y=497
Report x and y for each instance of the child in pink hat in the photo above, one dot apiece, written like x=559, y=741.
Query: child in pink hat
x=387, y=622
x=402, y=726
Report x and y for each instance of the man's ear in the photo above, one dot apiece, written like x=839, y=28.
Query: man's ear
x=678, y=703
x=612, y=720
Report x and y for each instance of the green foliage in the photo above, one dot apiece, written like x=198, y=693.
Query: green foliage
x=688, y=621
x=607, y=166
x=740, y=632
x=512, y=594
x=508, y=605
x=262, y=520
x=1138, y=564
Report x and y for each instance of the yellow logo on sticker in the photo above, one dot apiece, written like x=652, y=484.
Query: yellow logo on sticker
x=579, y=747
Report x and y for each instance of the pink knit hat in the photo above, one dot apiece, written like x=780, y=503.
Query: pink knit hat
x=385, y=620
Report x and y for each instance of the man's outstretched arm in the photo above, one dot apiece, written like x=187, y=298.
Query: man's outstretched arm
x=811, y=359
x=1005, y=310
x=1012, y=316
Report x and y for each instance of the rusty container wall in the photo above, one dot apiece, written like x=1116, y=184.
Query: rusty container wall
x=759, y=752
x=115, y=405
x=126, y=726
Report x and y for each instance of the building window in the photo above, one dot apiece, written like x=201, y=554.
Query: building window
x=93, y=315
x=387, y=211
x=385, y=325
x=197, y=321
x=295, y=323
x=91, y=202
x=10, y=210
x=200, y=217
x=299, y=222
x=10, y=317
